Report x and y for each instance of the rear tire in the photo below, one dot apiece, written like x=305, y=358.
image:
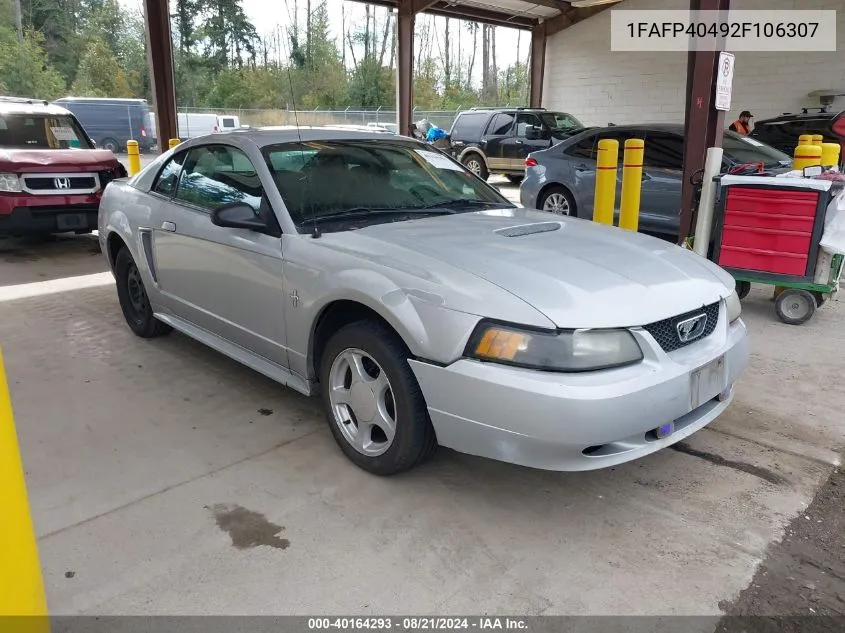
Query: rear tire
x=557, y=200
x=476, y=164
x=515, y=179
x=742, y=289
x=133, y=298
x=794, y=306
x=110, y=144
x=373, y=403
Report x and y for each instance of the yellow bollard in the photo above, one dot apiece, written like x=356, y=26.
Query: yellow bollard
x=818, y=139
x=632, y=184
x=605, y=200
x=805, y=139
x=173, y=143
x=21, y=585
x=806, y=156
x=134, y=157
x=830, y=154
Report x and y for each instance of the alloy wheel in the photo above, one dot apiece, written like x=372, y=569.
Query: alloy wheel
x=362, y=402
x=556, y=203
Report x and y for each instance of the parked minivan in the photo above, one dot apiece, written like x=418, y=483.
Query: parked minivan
x=112, y=122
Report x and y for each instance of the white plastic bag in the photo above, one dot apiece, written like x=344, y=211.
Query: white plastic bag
x=833, y=238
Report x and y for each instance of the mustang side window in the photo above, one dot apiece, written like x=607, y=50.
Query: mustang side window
x=217, y=175
x=165, y=183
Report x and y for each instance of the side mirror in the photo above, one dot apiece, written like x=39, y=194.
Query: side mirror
x=238, y=216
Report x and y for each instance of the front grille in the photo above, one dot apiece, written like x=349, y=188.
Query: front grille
x=665, y=332
x=61, y=184
x=40, y=183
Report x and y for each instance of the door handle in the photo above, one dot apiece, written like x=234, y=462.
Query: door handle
x=168, y=226
x=518, y=142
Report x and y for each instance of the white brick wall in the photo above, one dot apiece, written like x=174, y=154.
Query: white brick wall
x=598, y=86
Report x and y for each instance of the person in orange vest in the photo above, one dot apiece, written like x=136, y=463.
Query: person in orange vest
x=743, y=124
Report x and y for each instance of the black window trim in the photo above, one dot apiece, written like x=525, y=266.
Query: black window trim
x=537, y=118
x=488, y=131
x=158, y=194
x=568, y=150
x=675, y=135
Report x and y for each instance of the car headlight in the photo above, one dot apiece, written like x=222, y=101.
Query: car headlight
x=10, y=183
x=566, y=351
x=734, y=307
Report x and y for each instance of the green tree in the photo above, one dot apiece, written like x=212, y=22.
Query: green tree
x=24, y=69
x=228, y=35
x=100, y=74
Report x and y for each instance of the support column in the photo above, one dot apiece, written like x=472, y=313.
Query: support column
x=538, y=64
x=405, y=65
x=704, y=126
x=160, y=60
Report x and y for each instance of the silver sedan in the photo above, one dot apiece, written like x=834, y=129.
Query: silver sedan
x=420, y=305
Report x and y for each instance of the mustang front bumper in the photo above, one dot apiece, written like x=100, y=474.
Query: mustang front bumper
x=585, y=421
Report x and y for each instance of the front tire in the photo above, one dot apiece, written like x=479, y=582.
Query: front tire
x=557, y=200
x=133, y=298
x=373, y=403
x=476, y=164
x=514, y=179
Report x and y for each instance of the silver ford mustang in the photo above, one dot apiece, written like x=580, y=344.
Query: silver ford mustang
x=423, y=307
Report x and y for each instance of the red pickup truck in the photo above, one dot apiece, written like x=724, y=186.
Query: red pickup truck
x=51, y=174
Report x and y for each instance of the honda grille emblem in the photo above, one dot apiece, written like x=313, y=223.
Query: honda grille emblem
x=62, y=183
x=692, y=328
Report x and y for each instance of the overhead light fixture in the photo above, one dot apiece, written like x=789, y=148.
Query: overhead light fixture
x=583, y=4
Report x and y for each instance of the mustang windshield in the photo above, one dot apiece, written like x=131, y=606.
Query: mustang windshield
x=326, y=179
x=39, y=131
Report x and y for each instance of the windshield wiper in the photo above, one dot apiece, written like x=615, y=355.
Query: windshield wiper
x=356, y=213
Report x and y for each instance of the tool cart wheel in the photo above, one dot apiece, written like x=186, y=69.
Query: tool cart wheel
x=794, y=306
x=742, y=289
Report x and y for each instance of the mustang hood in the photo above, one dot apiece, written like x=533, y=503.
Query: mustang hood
x=578, y=273
x=56, y=160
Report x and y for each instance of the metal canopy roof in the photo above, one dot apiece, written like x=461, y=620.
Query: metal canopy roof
x=520, y=14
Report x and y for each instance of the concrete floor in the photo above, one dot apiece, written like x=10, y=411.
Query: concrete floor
x=154, y=468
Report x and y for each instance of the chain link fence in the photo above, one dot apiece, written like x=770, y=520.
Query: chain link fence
x=258, y=118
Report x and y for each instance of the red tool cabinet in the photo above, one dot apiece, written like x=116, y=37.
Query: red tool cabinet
x=770, y=229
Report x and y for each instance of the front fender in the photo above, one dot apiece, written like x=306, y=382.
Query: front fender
x=430, y=330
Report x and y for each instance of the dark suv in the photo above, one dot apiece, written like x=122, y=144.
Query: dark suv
x=498, y=140
x=782, y=132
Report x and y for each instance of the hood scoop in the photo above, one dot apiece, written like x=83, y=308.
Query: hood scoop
x=528, y=229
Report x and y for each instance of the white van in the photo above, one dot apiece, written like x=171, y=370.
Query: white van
x=192, y=124
x=228, y=122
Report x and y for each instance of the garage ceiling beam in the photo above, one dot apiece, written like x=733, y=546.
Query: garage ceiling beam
x=560, y=5
x=572, y=16
x=451, y=9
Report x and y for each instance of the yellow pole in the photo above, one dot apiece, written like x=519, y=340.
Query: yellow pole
x=605, y=200
x=818, y=139
x=134, y=157
x=632, y=184
x=806, y=156
x=21, y=585
x=173, y=142
x=830, y=154
x=805, y=139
